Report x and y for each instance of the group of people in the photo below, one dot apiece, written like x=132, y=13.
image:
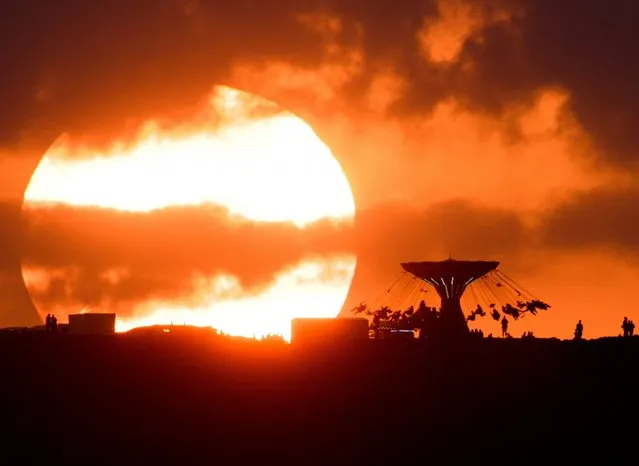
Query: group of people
x=51, y=323
x=628, y=327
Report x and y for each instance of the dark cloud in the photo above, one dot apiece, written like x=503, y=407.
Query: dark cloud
x=458, y=227
x=9, y=233
x=394, y=233
x=584, y=47
x=160, y=251
x=600, y=218
x=18, y=308
x=75, y=65
x=589, y=48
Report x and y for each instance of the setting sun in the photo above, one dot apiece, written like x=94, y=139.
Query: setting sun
x=243, y=156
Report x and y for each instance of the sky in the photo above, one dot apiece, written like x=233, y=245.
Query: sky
x=484, y=130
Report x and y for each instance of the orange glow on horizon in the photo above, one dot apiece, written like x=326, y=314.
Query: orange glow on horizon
x=248, y=156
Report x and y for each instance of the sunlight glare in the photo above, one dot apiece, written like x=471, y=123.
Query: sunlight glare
x=258, y=161
x=297, y=292
x=263, y=170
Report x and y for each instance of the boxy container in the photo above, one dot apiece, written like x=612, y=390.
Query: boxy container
x=91, y=324
x=328, y=330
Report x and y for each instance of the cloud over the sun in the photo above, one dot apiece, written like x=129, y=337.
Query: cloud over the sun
x=97, y=254
x=78, y=256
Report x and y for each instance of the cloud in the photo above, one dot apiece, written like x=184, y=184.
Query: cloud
x=76, y=67
x=83, y=255
x=95, y=254
x=459, y=227
x=394, y=233
x=86, y=256
x=596, y=219
x=18, y=308
x=577, y=46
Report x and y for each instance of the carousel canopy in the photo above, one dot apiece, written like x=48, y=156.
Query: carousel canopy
x=489, y=291
x=461, y=271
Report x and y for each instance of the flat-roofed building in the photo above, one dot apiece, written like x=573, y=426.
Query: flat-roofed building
x=91, y=324
x=328, y=330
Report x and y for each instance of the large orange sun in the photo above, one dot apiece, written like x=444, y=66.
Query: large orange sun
x=239, y=152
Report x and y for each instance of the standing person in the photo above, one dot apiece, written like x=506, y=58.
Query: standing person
x=47, y=323
x=625, y=327
x=504, y=327
x=579, y=330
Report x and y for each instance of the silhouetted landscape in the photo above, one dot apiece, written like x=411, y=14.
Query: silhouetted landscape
x=195, y=397
x=326, y=233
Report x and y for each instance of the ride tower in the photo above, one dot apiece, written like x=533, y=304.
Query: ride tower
x=450, y=278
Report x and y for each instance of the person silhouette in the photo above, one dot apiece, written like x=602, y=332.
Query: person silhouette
x=54, y=323
x=47, y=323
x=579, y=330
x=631, y=328
x=504, y=327
x=625, y=327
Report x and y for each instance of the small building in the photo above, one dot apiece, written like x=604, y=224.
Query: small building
x=328, y=330
x=91, y=324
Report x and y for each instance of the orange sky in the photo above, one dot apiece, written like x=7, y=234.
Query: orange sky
x=447, y=150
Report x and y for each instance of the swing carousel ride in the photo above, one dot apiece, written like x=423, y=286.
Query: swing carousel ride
x=466, y=290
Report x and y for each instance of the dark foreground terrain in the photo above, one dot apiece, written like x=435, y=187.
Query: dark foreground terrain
x=184, y=400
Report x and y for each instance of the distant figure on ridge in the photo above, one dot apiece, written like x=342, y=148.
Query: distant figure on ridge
x=631, y=328
x=504, y=327
x=47, y=323
x=579, y=330
x=54, y=323
x=625, y=326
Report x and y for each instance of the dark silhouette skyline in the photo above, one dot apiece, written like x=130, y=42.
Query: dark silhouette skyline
x=210, y=397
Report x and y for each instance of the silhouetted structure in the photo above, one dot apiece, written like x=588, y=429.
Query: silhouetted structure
x=91, y=324
x=327, y=330
x=166, y=400
x=450, y=279
x=477, y=287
